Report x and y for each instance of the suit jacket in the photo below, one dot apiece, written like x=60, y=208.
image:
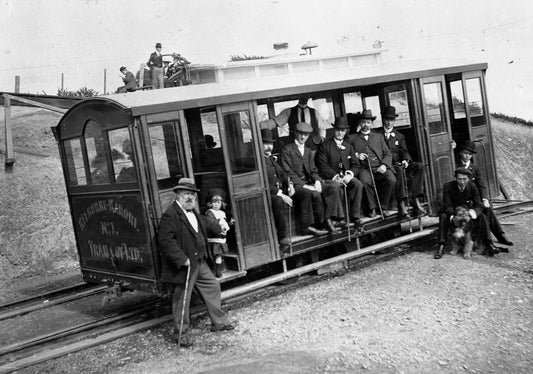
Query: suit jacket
x=177, y=243
x=374, y=145
x=277, y=177
x=453, y=197
x=155, y=60
x=301, y=169
x=477, y=179
x=397, y=145
x=129, y=81
x=332, y=160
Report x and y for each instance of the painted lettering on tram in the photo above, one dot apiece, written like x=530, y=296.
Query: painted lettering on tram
x=118, y=251
x=107, y=205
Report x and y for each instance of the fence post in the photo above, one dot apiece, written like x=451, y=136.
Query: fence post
x=17, y=83
x=10, y=159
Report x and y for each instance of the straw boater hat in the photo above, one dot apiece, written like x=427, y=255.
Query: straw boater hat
x=463, y=170
x=341, y=122
x=304, y=127
x=389, y=113
x=469, y=146
x=266, y=135
x=186, y=184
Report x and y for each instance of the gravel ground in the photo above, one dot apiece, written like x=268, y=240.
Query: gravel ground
x=412, y=314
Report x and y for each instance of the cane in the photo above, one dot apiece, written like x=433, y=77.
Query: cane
x=290, y=221
x=404, y=175
x=375, y=189
x=347, y=211
x=184, y=299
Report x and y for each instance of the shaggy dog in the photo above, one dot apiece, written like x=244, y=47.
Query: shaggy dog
x=462, y=232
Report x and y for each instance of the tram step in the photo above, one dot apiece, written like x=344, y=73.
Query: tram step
x=232, y=261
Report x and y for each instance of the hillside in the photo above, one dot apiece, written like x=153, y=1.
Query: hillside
x=35, y=225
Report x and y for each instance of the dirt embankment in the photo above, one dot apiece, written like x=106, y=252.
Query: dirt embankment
x=35, y=225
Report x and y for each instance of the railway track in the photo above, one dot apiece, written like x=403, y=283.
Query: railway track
x=152, y=314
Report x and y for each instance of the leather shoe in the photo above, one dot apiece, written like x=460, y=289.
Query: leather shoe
x=402, y=209
x=330, y=226
x=225, y=327
x=356, y=221
x=491, y=249
x=503, y=239
x=185, y=341
x=285, y=241
x=310, y=230
x=372, y=213
x=418, y=206
x=440, y=252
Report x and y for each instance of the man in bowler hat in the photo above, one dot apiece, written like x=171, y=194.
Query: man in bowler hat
x=401, y=160
x=182, y=239
x=155, y=63
x=466, y=153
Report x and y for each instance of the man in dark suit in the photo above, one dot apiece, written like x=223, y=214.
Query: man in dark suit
x=373, y=153
x=336, y=162
x=463, y=192
x=401, y=160
x=130, y=84
x=182, y=239
x=297, y=160
x=279, y=186
x=466, y=152
x=155, y=63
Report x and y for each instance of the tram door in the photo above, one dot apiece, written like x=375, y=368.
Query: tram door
x=242, y=152
x=438, y=132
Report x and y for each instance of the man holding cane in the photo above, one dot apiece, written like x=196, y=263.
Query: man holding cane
x=182, y=239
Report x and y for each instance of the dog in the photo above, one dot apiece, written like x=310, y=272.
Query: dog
x=462, y=232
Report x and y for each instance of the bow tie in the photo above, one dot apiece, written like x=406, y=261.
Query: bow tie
x=388, y=134
x=189, y=210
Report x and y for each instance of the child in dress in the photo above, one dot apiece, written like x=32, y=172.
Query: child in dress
x=217, y=244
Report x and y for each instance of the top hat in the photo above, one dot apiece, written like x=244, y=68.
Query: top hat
x=266, y=135
x=186, y=184
x=367, y=114
x=158, y=45
x=469, y=146
x=122, y=68
x=341, y=122
x=462, y=170
x=389, y=113
x=304, y=127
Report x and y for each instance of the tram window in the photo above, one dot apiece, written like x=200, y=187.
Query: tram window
x=262, y=112
x=458, y=101
x=122, y=155
x=165, y=154
x=398, y=99
x=96, y=153
x=475, y=101
x=324, y=105
x=240, y=144
x=279, y=107
x=74, y=157
x=372, y=103
x=434, y=108
x=353, y=102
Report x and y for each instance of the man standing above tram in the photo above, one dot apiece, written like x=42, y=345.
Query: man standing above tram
x=281, y=190
x=376, y=159
x=403, y=164
x=315, y=202
x=466, y=152
x=297, y=114
x=336, y=162
x=155, y=64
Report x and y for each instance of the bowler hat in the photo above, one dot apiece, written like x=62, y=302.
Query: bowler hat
x=341, y=122
x=266, y=135
x=367, y=114
x=209, y=141
x=462, y=170
x=304, y=127
x=389, y=113
x=469, y=146
x=158, y=45
x=186, y=184
x=122, y=68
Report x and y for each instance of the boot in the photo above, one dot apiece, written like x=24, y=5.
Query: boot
x=440, y=252
x=218, y=270
x=418, y=206
x=372, y=213
x=330, y=226
x=402, y=209
x=502, y=238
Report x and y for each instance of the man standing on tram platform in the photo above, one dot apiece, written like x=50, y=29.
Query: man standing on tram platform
x=155, y=63
x=466, y=152
x=402, y=163
x=182, y=239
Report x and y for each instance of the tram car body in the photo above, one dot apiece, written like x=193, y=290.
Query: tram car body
x=122, y=155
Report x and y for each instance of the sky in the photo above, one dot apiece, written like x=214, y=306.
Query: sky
x=41, y=39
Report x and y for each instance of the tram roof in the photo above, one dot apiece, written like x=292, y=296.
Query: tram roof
x=153, y=101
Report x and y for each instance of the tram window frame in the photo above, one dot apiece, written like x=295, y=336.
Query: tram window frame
x=171, y=169
x=75, y=179
x=403, y=121
x=240, y=138
x=97, y=153
x=443, y=125
x=123, y=162
x=476, y=108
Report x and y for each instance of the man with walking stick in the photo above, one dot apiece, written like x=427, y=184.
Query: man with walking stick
x=182, y=239
x=374, y=154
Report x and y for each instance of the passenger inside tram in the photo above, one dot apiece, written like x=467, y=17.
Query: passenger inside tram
x=127, y=173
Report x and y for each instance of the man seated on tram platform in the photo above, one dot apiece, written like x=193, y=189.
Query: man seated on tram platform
x=315, y=201
x=281, y=190
x=403, y=164
x=127, y=173
x=297, y=114
x=336, y=162
x=376, y=159
x=466, y=152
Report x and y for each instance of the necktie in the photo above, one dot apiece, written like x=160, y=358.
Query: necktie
x=366, y=137
x=387, y=135
x=302, y=115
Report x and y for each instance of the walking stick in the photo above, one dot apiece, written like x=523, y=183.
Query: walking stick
x=347, y=211
x=184, y=299
x=375, y=188
x=290, y=221
x=404, y=174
